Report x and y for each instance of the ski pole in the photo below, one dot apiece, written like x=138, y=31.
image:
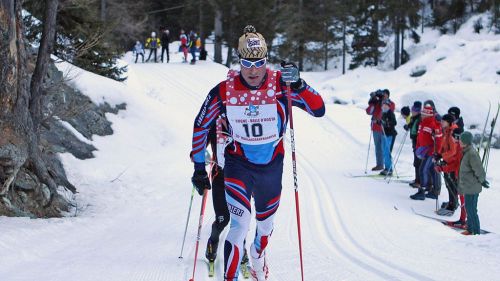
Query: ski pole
x=296, y=186
x=200, y=224
x=187, y=222
x=369, y=146
x=398, y=153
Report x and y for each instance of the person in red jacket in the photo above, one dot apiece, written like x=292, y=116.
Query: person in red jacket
x=447, y=160
x=375, y=110
x=428, y=142
x=184, y=45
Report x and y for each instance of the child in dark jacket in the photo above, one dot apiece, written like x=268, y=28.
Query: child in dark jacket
x=389, y=133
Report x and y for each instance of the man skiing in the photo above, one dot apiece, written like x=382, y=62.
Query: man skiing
x=447, y=160
x=165, y=42
x=184, y=45
x=138, y=51
x=153, y=43
x=428, y=141
x=254, y=102
x=375, y=110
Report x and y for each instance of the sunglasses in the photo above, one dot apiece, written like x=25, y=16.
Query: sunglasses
x=248, y=63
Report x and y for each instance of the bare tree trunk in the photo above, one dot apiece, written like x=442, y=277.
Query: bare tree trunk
x=402, y=44
x=325, y=46
x=218, y=35
x=396, y=43
x=301, y=38
x=103, y=10
x=200, y=26
x=344, y=46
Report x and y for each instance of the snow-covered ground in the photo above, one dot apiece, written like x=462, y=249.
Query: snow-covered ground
x=133, y=197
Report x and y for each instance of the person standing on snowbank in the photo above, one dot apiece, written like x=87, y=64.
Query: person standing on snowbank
x=255, y=103
x=138, y=51
x=153, y=43
x=472, y=178
x=388, y=123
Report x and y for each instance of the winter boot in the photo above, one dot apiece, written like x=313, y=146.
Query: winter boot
x=445, y=212
x=211, y=252
x=377, y=168
x=431, y=195
x=259, y=270
x=386, y=173
x=467, y=233
x=420, y=195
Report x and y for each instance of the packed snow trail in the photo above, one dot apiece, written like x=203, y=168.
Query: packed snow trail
x=134, y=197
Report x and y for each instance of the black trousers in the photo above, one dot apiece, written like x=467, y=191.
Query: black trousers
x=219, y=203
x=163, y=49
x=450, y=180
x=151, y=51
x=137, y=57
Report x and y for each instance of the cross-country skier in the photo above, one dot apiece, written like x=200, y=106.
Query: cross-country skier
x=447, y=160
x=255, y=104
x=375, y=110
x=413, y=128
x=388, y=123
x=184, y=45
x=139, y=51
x=472, y=178
x=428, y=141
x=153, y=43
x=165, y=42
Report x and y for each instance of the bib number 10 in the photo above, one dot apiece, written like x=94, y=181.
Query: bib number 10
x=254, y=130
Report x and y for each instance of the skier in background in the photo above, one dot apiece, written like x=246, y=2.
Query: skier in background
x=472, y=178
x=184, y=45
x=428, y=142
x=375, y=110
x=254, y=157
x=192, y=46
x=447, y=160
x=165, y=42
x=388, y=123
x=153, y=43
x=413, y=128
x=138, y=51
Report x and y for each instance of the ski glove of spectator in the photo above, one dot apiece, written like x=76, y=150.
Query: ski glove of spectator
x=200, y=181
x=486, y=184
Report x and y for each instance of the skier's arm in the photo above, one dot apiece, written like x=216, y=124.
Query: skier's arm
x=438, y=138
x=211, y=108
x=451, y=155
x=306, y=98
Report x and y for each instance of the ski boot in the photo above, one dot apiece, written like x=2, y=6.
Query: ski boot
x=431, y=195
x=244, y=265
x=211, y=255
x=420, y=195
x=259, y=270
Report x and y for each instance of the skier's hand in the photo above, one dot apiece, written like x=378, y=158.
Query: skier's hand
x=406, y=127
x=200, y=181
x=290, y=73
x=437, y=157
x=486, y=184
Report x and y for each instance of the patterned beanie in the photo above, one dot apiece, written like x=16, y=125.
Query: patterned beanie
x=251, y=44
x=428, y=111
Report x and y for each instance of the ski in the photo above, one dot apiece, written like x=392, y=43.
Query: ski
x=484, y=129
x=486, y=154
x=449, y=224
x=211, y=269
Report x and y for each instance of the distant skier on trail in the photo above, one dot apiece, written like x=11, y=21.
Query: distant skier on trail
x=138, y=51
x=375, y=110
x=193, y=37
x=256, y=109
x=471, y=180
x=165, y=42
x=153, y=43
x=184, y=45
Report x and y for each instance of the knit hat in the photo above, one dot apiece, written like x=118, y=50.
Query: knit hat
x=455, y=111
x=405, y=111
x=448, y=118
x=417, y=107
x=466, y=138
x=251, y=44
x=428, y=111
x=386, y=92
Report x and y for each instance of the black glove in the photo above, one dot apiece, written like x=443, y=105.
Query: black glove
x=441, y=163
x=290, y=73
x=378, y=122
x=200, y=181
x=485, y=184
x=437, y=156
x=406, y=127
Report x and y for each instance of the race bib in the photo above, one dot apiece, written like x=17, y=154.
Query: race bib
x=253, y=114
